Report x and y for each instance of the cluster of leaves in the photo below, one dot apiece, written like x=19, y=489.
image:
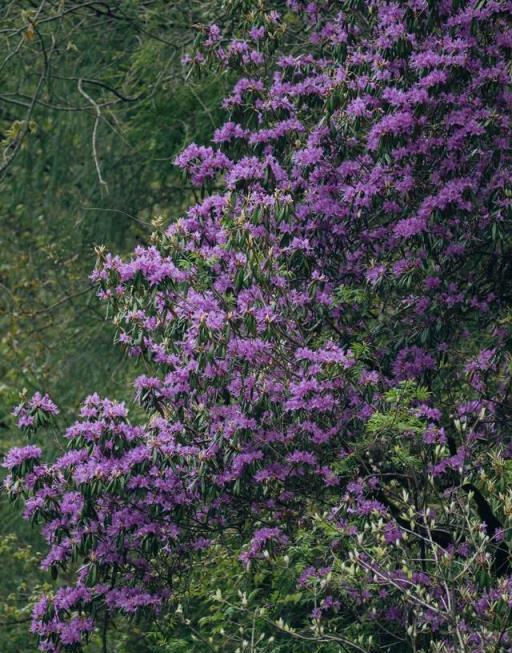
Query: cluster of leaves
x=327, y=341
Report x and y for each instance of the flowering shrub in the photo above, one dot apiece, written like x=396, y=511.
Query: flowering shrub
x=328, y=347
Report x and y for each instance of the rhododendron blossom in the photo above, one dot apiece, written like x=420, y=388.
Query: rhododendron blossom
x=327, y=339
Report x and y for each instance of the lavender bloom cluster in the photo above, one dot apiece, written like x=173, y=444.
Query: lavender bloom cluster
x=38, y=411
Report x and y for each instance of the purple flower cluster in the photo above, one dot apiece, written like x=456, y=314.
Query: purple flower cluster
x=19, y=455
x=202, y=163
x=35, y=412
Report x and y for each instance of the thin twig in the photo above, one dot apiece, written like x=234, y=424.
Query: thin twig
x=65, y=299
x=94, y=133
x=128, y=215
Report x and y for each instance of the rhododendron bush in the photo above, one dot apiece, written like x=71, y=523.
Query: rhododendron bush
x=326, y=336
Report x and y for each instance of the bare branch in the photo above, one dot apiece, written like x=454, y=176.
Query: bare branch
x=94, y=133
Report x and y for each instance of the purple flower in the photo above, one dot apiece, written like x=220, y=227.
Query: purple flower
x=202, y=163
x=411, y=362
x=19, y=455
x=44, y=403
x=37, y=411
